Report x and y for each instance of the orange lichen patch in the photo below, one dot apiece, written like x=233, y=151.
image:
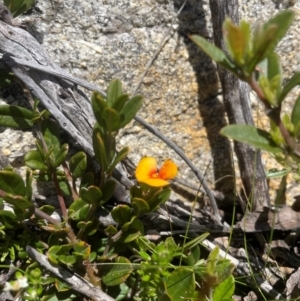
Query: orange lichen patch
x=148, y=173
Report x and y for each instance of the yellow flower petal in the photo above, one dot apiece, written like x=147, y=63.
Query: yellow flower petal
x=155, y=182
x=146, y=168
x=168, y=171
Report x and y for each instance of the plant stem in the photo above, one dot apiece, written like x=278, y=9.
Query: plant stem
x=274, y=114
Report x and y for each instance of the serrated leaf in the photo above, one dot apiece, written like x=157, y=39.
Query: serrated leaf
x=78, y=164
x=122, y=154
x=15, y=117
x=12, y=183
x=130, y=109
x=251, y=135
x=118, y=272
x=181, y=284
x=214, y=52
x=224, y=290
x=91, y=195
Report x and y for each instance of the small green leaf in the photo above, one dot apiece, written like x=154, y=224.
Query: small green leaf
x=99, y=105
x=50, y=131
x=111, y=119
x=67, y=259
x=15, y=117
x=236, y=41
x=129, y=236
x=61, y=287
x=11, y=182
x=275, y=173
x=108, y=190
x=118, y=272
x=18, y=201
x=78, y=209
x=224, y=290
x=114, y=91
x=130, y=109
x=91, y=195
x=274, y=65
x=267, y=36
x=87, y=180
x=291, y=84
x=196, y=241
x=181, y=284
x=47, y=209
x=78, y=164
x=140, y=206
x=120, y=102
x=160, y=197
x=122, y=154
x=122, y=214
x=99, y=149
x=18, y=7
x=61, y=155
x=214, y=52
x=212, y=261
x=251, y=135
x=295, y=118
x=82, y=249
x=52, y=254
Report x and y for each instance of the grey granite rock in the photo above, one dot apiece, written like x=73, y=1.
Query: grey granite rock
x=105, y=39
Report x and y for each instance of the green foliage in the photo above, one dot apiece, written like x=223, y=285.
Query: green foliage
x=251, y=135
x=251, y=58
x=18, y=7
x=77, y=239
x=16, y=117
x=246, y=51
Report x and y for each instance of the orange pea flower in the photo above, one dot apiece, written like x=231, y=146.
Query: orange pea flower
x=148, y=173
